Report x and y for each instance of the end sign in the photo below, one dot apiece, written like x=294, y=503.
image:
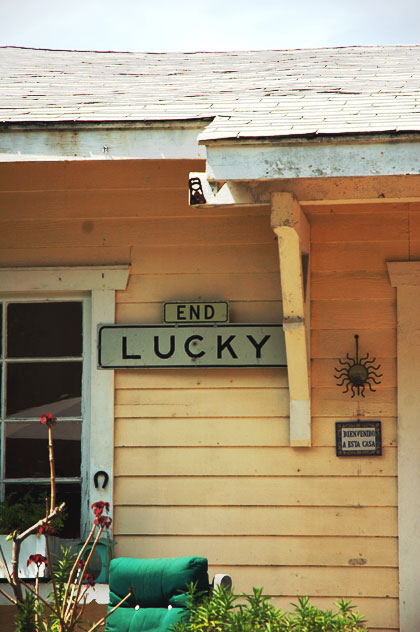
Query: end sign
x=198, y=312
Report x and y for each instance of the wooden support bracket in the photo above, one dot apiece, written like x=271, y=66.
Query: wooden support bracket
x=292, y=230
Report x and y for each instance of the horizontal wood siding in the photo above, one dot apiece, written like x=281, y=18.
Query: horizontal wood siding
x=202, y=460
x=351, y=294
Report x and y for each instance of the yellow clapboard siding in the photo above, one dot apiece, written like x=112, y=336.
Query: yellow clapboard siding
x=356, y=208
x=270, y=431
x=347, y=189
x=269, y=402
x=96, y=174
x=89, y=204
x=72, y=256
x=263, y=312
x=327, y=343
x=324, y=370
x=231, y=287
x=415, y=226
x=275, y=491
x=357, y=256
x=201, y=432
x=360, y=521
x=267, y=550
x=342, y=582
x=332, y=402
x=204, y=378
x=116, y=232
x=333, y=286
x=245, y=461
x=353, y=315
x=414, y=250
x=94, y=204
x=215, y=259
x=382, y=612
x=323, y=430
x=359, y=227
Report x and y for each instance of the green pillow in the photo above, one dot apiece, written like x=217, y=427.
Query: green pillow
x=155, y=581
x=144, y=619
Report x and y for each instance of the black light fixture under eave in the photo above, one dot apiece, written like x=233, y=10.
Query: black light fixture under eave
x=196, y=191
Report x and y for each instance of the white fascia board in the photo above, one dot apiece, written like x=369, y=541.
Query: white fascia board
x=312, y=159
x=170, y=140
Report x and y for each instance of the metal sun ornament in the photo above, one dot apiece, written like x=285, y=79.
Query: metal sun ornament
x=355, y=374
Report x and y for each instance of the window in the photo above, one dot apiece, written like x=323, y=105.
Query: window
x=48, y=363
x=41, y=366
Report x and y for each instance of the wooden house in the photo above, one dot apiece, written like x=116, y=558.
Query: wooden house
x=303, y=211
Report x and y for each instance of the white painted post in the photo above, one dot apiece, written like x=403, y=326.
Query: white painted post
x=406, y=277
x=292, y=230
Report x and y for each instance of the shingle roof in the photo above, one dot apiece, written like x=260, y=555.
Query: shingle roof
x=249, y=94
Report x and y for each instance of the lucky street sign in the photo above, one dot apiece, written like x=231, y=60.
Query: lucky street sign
x=172, y=346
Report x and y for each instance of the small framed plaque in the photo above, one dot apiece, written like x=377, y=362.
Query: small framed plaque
x=358, y=438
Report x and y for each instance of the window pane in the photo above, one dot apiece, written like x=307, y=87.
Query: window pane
x=69, y=493
x=34, y=388
x=46, y=330
x=27, y=449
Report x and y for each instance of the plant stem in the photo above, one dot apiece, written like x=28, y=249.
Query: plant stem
x=52, y=467
x=102, y=621
x=50, y=566
x=9, y=597
x=73, y=571
x=55, y=512
x=3, y=566
x=36, y=597
x=16, y=582
x=71, y=612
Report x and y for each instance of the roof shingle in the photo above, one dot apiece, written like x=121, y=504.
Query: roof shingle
x=250, y=94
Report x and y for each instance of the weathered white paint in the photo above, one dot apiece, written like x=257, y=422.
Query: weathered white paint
x=292, y=230
x=405, y=276
x=98, y=284
x=311, y=159
x=99, y=433
x=63, y=279
x=102, y=141
x=300, y=423
x=229, y=193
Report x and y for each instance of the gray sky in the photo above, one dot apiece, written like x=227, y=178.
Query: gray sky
x=187, y=25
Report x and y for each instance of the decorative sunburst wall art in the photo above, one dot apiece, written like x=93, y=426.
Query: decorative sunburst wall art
x=355, y=374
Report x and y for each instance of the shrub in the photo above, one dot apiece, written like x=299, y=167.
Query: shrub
x=222, y=612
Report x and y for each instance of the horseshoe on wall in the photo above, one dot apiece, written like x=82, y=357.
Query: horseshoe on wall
x=96, y=479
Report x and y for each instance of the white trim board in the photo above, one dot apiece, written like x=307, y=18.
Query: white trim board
x=64, y=279
x=101, y=143
x=406, y=278
x=312, y=160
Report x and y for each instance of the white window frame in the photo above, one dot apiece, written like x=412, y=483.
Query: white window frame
x=98, y=284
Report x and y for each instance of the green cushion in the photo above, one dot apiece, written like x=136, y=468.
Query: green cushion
x=144, y=619
x=155, y=581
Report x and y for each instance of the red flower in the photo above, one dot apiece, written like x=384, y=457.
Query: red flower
x=37, y=559
x=103, y=521
x=48, y=419
x=99, y=507
x=81, y=563
x=89, y=579
x=46, y=529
